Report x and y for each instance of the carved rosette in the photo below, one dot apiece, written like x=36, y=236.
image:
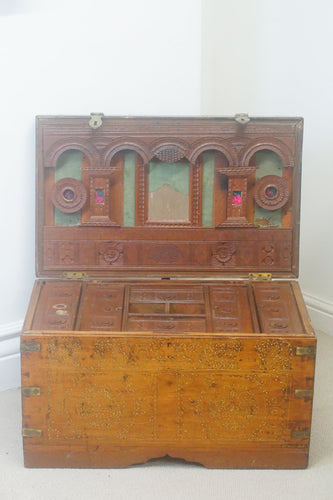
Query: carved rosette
x=110, y=253
x=271, y=192
x=223, y=253
x=69, y=195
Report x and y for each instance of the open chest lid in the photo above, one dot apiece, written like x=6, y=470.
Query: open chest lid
x=159, y=196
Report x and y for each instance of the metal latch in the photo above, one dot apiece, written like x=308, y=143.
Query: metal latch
x=74, y=275
x=96, y=120
x=242, y=118
x=260, y=276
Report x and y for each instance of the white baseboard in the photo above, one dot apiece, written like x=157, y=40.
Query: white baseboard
x=10, y=373
x=321, y=313
x=10, y=376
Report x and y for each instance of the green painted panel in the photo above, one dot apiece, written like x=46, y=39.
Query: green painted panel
x=129, y=188
x=176, y=175
x=68, y=165
x=208, y=165
x=268, y=163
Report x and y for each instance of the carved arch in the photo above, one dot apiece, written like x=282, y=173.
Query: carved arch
x=60, y=147
x=123, y=145
x=274, y=145
x=220, y=146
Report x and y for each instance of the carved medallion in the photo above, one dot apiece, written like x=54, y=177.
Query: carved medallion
x=271, y=192
x=223, y=252
x=69, y=195
x=110, y=252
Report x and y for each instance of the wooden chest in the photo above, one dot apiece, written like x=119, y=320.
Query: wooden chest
x=167, y=319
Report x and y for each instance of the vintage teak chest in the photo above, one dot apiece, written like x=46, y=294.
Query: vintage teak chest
x=167, y=319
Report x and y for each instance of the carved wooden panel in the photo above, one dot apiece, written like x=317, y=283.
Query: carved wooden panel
x=120, y=146
x=126, y=249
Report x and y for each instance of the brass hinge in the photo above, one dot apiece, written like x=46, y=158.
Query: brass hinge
x=30, y=391
x=75, y=275
x=307, y=394
x=301, y=434
x=260, y=276
x=31, y=433
x=309, y=350
x=30, y=347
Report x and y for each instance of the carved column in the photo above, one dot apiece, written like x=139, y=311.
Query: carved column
x=237, y=195
x=99, y=206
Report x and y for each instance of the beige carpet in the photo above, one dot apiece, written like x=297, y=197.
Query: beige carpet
x=176, y=480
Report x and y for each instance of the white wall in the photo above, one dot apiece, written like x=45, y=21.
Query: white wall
x=274, y=58
x=143, y=57
x=74, y=57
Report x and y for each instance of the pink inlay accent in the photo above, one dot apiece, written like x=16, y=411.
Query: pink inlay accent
x=99, y=196
x=237, y=198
